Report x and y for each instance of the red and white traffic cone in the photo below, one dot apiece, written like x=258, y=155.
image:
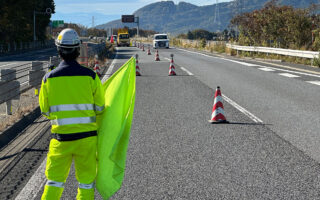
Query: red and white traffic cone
x=172, y=69
x=149, y=52
x=218, y=110
x=157, y=56
x=137, y=68
x=96, y=68
x=142, y=47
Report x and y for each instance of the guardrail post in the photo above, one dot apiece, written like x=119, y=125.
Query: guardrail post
x=35, y=75
x=11, y=88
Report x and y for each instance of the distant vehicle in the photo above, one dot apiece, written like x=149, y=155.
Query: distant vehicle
x=123, y=37
x=160, y=40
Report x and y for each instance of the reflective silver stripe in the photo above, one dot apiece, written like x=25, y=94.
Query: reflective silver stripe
x=76, y=120
x=71, y=107
x=99, y=108
x=55, y=184
x=75, y=107
x=86, y=186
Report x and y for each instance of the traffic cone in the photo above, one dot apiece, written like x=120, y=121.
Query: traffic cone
x=111, y=39
x=218, y=110
x=149, y=52
x=142, y=47
x=97, y=68
x=172, y=69
x=137, y=68
x=157, y=56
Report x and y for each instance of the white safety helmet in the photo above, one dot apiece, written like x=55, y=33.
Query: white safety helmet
x=68, y=38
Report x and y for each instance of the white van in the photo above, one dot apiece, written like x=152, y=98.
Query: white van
x=160, y=41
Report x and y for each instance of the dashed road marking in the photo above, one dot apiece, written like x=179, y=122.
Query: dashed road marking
x=314, y=82
x=188, y=72
x=288, y=75
x=241, y=109
x=266, y=69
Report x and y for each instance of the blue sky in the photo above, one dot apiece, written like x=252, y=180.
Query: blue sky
x=81, y=11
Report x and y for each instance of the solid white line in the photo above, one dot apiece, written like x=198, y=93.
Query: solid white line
x=266, y=69
x=34, y=185
x=8, y=64
x=314, y=82
x=108, y=74
x=288, y=75
x=248, y=64
x=188, y=72
x=241, y=109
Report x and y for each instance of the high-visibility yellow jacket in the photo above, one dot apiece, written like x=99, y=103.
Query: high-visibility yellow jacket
x=71, y=96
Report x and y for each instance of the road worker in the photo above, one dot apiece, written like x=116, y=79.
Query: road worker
x=71, y=97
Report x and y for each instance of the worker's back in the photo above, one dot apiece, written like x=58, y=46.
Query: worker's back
x=72, y=92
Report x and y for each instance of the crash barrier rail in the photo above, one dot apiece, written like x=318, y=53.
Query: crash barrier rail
x=18, y=79
x=17, y=47
x=278, y=51
x=21, y=78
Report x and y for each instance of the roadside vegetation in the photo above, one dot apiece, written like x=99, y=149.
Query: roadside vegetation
x=272, y=26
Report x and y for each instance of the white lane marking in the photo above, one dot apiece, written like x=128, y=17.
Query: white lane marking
x=108, y=74
x=34, y=185
x=167, y=59
x=188, y=72
x=241, y=109
x=8, y=64
x=241, y=63
x=288, y=75
x=314, y=82
x=248, y=64
x=266, y=69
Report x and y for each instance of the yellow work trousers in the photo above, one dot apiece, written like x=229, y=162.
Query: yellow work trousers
x=59, y=160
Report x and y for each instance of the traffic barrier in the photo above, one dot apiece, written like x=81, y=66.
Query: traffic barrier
x=137, y=66
x=157, y=56
x=172, y=69
x=218, y=115
x=9, y=87
x=36, y=74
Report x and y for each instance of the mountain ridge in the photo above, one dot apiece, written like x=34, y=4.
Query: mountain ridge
x=166, y=16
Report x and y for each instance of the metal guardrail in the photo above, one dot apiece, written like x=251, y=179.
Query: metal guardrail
x=279, y=51
x=18, y=79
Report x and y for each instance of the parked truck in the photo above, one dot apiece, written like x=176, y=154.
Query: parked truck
x=123, y=37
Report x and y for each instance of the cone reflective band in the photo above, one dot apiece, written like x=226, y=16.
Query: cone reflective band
x=157, y=56
x=172, y=70
x=149, y=52
x=137, y=68
x=218, y=115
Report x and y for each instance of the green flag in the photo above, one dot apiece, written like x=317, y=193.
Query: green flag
x=114, y=128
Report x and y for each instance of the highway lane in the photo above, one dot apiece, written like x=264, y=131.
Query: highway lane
x=287, y=100
x=174, y=153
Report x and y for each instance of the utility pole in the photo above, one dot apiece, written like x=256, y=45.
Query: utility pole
x=48, y=12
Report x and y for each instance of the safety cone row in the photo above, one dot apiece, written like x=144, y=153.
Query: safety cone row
x=172, y=69
x=157, y=56
x=218, y=115
x=137, y=68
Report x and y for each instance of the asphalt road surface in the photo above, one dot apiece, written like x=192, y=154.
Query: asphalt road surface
x=270, y=149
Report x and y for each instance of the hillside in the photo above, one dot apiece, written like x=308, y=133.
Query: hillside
x=165, y=16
